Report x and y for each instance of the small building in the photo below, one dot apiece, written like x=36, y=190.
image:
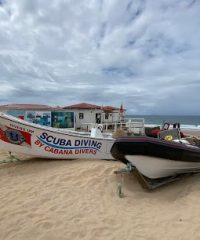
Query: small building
x=87, y=114
x=78, y=116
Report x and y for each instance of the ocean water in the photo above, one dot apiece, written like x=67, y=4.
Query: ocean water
x=190, y=122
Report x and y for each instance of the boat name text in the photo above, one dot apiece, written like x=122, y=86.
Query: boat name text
x=63, y=143
x=62, y=146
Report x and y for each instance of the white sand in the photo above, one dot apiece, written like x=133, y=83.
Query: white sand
x=45, y=199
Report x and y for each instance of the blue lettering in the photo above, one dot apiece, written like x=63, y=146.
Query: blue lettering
x=94, y=143
x=43, y=135
x=85, y=142
x=77, y=142
x=50, y=138
x=56, y=140
x=68, y=143
x=62, y=142
x=99, y=145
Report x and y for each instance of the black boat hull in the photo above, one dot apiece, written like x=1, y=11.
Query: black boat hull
x=155, y=158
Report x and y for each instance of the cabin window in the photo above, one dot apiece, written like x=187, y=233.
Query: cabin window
x=106, y=115
x=81, y=115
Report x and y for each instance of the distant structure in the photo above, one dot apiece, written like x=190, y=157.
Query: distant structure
x=86, y=114
x=77, y=116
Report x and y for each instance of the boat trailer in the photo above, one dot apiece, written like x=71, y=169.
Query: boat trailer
x=147, y=183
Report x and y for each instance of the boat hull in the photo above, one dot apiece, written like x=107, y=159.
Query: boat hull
x=153, y=167
x=155, y=158
x=19, y=136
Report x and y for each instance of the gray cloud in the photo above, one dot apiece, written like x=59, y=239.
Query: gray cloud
x=144, y=54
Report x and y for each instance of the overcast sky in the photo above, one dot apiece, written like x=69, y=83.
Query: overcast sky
x=142, y=53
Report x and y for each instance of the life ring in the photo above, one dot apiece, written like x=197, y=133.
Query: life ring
x=100, y=127
x=168, y=137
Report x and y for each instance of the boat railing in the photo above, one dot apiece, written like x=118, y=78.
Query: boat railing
x=134, y=125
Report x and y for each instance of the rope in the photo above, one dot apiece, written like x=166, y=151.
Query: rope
x=129, y=168
x=12, y=159
x=119, y=187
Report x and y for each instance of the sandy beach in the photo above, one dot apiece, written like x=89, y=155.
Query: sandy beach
x=192, y=132
x=51, y=199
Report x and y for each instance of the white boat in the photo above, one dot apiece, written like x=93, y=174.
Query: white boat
x=19, y=136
